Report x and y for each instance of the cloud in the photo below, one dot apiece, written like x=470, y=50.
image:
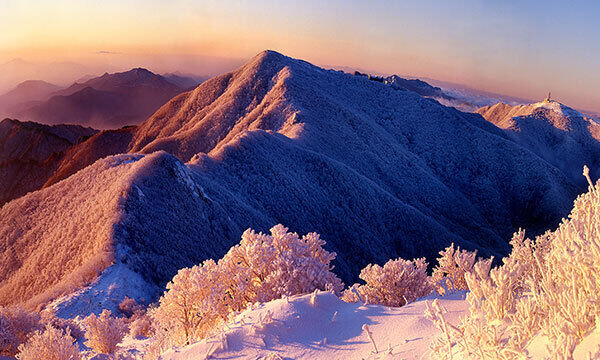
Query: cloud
x=106, y=52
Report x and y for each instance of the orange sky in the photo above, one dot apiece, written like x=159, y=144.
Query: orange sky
x=512, y=48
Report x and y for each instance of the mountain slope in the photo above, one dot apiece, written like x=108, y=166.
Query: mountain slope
x=560, y=135
x=30, y=152
x=121, y=210
x=378, y=171
x=107, y=101
x=98, y=146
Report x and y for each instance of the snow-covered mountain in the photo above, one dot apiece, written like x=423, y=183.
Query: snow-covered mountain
x=143, y=212
x=85, y=153
x=471, y=98
x=560, y=135
x=107, y=101
x=378, y=171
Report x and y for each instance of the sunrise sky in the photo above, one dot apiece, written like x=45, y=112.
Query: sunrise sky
x=519, y=48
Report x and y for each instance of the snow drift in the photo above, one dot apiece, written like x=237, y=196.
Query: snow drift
x=329, y=329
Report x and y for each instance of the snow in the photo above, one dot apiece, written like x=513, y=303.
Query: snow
x=114, y=284
x=584, y=350
x=329, y=329
x=558, y=108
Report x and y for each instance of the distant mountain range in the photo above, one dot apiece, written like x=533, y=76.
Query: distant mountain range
x=26, y=94
x=185, y=81
x=107, y=101
x=377, y=169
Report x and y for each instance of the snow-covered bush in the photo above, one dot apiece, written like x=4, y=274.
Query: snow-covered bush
x=16, y=325
x=141, y=326
x=449, y=275
x=547, y=288
x=194, y=302
x=103, y=333
x=397, y=283
x=50, y=344
x=265, y=267
x=261, y=268
x=129, y=307
x=48, y=317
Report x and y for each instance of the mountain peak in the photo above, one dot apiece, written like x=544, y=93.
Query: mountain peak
x=269, y=55
x=268, y=58
x=558, y=108
x=141, y=71
x=31, y=83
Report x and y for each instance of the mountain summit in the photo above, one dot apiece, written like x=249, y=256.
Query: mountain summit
x=560, y=135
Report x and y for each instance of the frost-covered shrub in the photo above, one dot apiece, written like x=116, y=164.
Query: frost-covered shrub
x=103, y=333
x=449, y=275
x=266, y=267
x=50, y=344
x=48, y=317
x=140, y=323
x=194, y=302
x=129, y=307
x=548, y=287
x=261, y=268
x=397, y=283
x=16, y=325
x=141, y=326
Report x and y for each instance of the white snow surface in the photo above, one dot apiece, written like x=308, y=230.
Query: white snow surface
x=558, y=108
x=114, y=284
x=295, y=328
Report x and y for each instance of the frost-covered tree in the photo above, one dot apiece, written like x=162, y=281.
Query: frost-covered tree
x=261, y=268
x=194, y=302
x=397, y=283
x=50, y=344
x=266, y=267
x=103, y=333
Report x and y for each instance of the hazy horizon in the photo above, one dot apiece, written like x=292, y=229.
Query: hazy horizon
x=521, y=49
